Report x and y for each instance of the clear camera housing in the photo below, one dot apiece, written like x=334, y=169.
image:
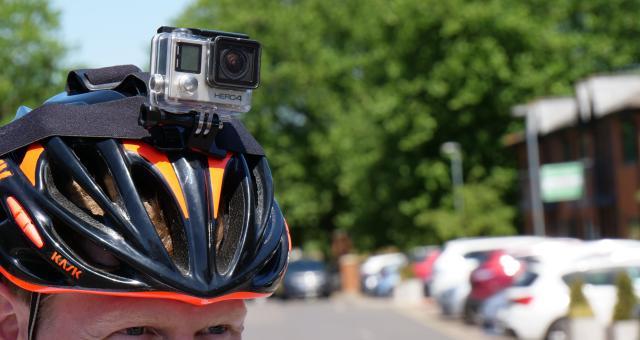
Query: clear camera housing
x=200, y=70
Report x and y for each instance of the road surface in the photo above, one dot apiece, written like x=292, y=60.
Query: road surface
x=339, y=318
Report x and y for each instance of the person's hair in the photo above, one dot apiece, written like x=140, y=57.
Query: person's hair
x=149, y=196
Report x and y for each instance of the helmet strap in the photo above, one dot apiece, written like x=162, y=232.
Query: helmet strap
x=33, y=314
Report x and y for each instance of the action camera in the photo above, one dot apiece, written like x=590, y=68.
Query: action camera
x=203, y=70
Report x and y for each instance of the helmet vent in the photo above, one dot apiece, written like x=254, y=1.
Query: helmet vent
x=87, y=250
x=230, y=222
x=70, y=194
x=74, y=199
x=99, y=171
x=97, y=168
x=163, y=213
x=258, y=185
x=76, y=194
x=266, y=275
x=262, y=185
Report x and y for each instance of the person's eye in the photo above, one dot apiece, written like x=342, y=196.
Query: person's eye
x=137, y=331
x=220, y=329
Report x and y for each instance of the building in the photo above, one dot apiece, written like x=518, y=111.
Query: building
x=597, y=130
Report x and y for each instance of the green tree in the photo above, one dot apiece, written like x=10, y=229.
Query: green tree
x=30, y=54
x=357, y=97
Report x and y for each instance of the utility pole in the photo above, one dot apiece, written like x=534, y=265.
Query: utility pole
x=537, y=209
x=585, y=102
x=452, y=150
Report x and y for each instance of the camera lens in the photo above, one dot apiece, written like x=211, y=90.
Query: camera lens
x=234, y=63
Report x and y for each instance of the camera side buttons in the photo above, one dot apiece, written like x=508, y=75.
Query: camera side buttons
x=188, y=84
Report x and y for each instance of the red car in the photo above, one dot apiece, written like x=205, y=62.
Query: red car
x=423, y=266
x=495, y=274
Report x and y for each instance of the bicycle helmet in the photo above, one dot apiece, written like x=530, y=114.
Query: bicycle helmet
x=120, y=217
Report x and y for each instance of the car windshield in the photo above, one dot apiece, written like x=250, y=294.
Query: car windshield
x=479, y=256
x=418, y=256
x=526, y=279
x=634, y=273
x=605, y=276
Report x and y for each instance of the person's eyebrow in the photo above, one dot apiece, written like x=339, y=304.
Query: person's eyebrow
x=116, y=320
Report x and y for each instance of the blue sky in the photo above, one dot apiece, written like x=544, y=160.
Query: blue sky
x=113, y=32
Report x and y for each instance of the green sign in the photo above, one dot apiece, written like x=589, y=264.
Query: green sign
x=562, y=181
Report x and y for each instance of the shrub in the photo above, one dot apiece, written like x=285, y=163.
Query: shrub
x=578, y=305
x=626, y=298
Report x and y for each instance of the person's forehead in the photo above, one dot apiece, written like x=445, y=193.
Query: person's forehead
x=99, y=311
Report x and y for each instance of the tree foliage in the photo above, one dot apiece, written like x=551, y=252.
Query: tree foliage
x=30, y=54
x=357, y=97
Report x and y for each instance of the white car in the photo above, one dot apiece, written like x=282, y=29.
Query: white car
x=450, y=285
x=372, y=271
x=536, y=305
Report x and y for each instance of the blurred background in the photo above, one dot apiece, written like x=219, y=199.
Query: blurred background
x=448, y=169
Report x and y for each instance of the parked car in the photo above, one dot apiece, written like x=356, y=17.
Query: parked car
x=422, y=266
x=380, y=274
x=551, y=248
x=450, y=286
x=388, y=279
x=305, y=279
x=496, y=273
x=538, y=303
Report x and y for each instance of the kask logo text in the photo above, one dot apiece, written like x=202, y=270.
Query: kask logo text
x=66, y=265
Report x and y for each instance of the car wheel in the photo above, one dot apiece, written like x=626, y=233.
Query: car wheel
x=469, y=315
x=426, y=290
x=559, y=330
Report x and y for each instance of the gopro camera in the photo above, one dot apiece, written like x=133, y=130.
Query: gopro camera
x=203, y=71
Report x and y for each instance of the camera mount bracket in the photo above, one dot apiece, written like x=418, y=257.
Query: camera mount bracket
x=176, y=132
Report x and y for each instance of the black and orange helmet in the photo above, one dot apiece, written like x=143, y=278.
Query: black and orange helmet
x=120, y=217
